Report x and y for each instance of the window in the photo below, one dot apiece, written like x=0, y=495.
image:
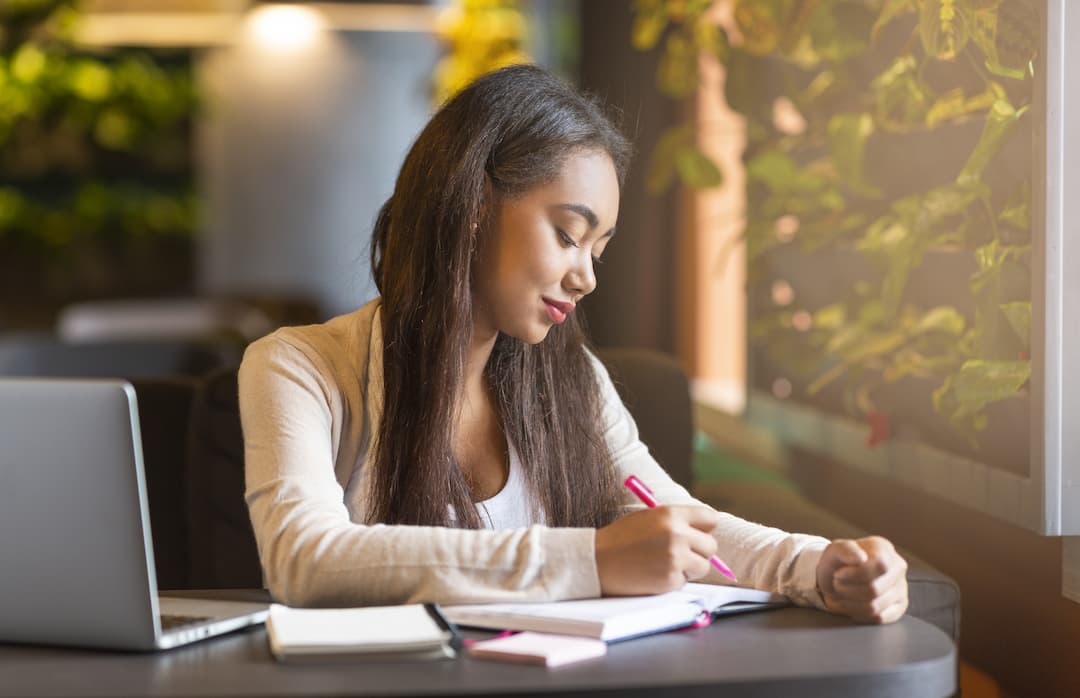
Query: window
x=1016, y=458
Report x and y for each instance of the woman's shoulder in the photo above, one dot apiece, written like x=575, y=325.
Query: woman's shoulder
x=340, y=343
x=600, y=369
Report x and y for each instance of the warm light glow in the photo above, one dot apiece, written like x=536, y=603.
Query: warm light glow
x=781, y=388
x=782, y=293
x=285, y=28
x=786, y=227
x=786, y=117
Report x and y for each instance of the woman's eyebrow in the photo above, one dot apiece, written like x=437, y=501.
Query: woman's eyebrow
x=583, y=211
x=586, y=213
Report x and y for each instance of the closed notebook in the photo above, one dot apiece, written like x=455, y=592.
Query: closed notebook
x=617, y=618
x=409, y=632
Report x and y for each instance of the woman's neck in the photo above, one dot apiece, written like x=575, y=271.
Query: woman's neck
x=480, y=346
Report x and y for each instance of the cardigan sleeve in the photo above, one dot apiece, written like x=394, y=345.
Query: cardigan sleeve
x=761, y=557
x=315, y=552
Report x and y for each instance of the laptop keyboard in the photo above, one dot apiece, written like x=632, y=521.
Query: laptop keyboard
x=171, y=622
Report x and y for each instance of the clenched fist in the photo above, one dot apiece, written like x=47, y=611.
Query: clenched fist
x=865, y=579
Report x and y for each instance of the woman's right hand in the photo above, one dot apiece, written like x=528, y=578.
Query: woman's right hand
x=655, y=550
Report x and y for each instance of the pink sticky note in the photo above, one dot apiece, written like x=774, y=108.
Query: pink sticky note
x=543, y=649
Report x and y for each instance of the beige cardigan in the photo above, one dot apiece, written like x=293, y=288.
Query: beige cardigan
x=310, y=400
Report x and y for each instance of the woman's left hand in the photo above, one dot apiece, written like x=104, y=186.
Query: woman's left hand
x=864, y=578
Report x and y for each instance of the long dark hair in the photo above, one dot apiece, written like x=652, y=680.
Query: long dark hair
x=509, y=131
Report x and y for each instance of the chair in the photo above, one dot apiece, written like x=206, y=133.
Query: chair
x=222, y=553
x=164, y=375
x=164, y=415
x=657, y=392
x=45, y=355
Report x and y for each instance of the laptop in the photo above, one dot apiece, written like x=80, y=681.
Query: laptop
x=76, y=560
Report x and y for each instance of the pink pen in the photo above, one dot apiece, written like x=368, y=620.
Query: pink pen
x=646, y=496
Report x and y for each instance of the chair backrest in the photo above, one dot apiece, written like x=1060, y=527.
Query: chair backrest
x=656, y=390
x=164, y=375
x=164, y=416
x=222, y=543
x=45, y=355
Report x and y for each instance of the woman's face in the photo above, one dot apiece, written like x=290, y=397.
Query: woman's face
x=537, y=263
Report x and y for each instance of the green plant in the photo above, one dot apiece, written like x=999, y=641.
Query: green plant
x=481, y=36
x=914, y=78
x=96, y=185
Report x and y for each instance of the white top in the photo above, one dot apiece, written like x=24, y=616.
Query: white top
x=310, y=402
x=509, y=507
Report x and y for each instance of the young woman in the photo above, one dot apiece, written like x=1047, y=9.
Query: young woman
x=455, y=440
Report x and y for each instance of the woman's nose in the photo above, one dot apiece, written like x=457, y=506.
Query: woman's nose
x=581, y=280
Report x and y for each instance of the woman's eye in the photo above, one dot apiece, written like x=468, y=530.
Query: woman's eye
x=565, y=239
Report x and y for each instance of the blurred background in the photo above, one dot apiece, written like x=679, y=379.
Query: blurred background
x=179, y=166
x=830, y=213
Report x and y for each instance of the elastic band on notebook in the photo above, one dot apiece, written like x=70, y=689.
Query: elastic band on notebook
x=704, y=620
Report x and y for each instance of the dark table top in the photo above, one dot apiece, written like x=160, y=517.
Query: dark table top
x=791, y=651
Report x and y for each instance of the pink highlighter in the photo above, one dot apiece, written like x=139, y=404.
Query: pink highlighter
x=646, y=496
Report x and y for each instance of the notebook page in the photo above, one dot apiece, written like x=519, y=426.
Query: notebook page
x=713, y=596
x=708, y=596
x=609, y=618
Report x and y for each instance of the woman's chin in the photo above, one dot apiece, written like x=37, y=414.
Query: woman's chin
x=533, y=335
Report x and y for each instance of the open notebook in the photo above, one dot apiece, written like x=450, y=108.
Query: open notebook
x=617, y=618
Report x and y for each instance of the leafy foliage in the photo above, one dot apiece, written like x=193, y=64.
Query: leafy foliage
x=904, y=107
x=482, y=35
x=95, y=158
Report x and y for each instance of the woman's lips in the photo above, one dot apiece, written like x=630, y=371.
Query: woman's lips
x=558, y=311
